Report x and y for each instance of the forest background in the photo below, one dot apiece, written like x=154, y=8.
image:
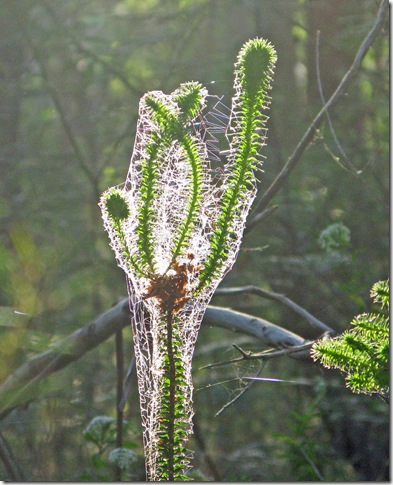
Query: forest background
x=72, y=74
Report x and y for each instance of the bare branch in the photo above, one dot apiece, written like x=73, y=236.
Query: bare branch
x=260, y=217
x=313, y=321
x=309, y=134
x=266, y=332
x=22, y=385
x=127, y=384
x=300, y=352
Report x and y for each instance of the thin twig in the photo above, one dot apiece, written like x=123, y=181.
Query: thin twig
x=260, y=217
x=269, y=354
x=265, y=355
x=119, y=394
x=240, y=394
x=352, y=169
x=79, y=157
x=313, y=321
x=10, y=464
x=127, y=384
x=298, y=382
x=311, y=130
x=311, y=463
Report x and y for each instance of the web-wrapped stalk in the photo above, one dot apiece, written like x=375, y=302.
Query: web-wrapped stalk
x=176, y=231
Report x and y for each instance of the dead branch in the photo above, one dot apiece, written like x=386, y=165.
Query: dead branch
x=269, y=334
x=312, y=321
x=311, y=130
x=297, y=351
x=22, y=385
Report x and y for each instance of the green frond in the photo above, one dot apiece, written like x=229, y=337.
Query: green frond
x=371, y=325
x=173, y=434
x=190, y=98
x=253, y=72
x=166, y=118
x=194, y=198
x=115, y=206
x=363, y=351
x=147, y=216
x=255, y=65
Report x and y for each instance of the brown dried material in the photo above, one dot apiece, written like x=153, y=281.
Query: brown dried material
x=171, y=288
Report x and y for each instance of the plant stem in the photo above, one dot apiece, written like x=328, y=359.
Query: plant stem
x=172, y=393
x=119, y=394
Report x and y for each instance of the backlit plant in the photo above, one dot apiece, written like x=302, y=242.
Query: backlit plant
x=362, y=352
x=176, y=226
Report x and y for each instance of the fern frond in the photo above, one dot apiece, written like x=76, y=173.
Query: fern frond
x=381, y=294
x=194, y=198
x=190, y=97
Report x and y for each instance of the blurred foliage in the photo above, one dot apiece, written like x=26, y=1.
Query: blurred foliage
x=334, y=237
x=71, y=77
x=101, y=432
x=305, y=448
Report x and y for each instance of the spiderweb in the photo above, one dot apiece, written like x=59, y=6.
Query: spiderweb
x=233, y=376
x=170, y=204
x=175, y=179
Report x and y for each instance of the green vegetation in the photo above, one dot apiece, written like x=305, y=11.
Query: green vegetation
x=169, y=267
x=363, y=351
x=100, y=435
x=253, y=72
x=72, y=74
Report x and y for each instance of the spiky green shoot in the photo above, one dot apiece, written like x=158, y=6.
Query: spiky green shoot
x=362, y=353
x=176, y=231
